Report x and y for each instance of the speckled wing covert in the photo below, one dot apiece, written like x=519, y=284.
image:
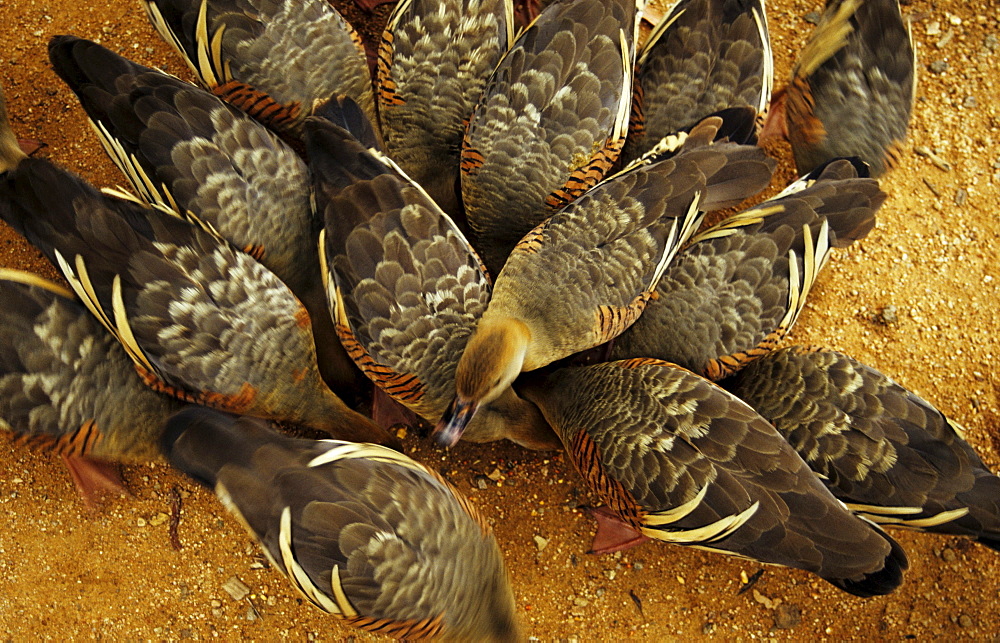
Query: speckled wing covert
x=551, y=121
x=680, y=460
x=361, y=531
x=888, y=454
x=737, y=289
x=434, y=61
x=271, y=58
x=584, y=275
x=200, y=319
x=703, y=57
x=853, y=86
x=404, y=285
x=187, y=150
x=65, y=383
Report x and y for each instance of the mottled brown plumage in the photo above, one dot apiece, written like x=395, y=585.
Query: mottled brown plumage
x=551, y=121
x=187, y=150
x=271, y=58
x=738, y=288
x=704, y=56
x=405, y=286
x=200, y=319
x=361, y=531
x=434, y=61
x=585, y=274
x=67, y=386
x=680, y=460
x=887, y=453
x=852, y=88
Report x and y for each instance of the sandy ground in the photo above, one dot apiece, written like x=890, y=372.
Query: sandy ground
x=112, y=574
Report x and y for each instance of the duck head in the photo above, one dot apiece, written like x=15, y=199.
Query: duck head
x=491, y=361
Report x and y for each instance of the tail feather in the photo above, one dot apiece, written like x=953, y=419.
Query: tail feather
x=200, y=441
x=883, y=581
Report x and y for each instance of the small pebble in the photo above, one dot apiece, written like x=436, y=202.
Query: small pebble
x=926, y=152
x=991, y=42
x=541, y=543
x=888, y=315
x=965, y=620
x=933, y=28
x=141, y=522
x=787, y=616
x=236, y=588
x=158, y=519
x=766, y=601
x=970, y=102
x=812, y=17
x=961, y=196
x=945, y=39
x=948, y=555
x=939, y=66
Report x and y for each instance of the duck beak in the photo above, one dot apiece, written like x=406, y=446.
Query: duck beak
x=452, y=424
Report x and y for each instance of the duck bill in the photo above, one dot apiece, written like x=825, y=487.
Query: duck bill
x=452, y=424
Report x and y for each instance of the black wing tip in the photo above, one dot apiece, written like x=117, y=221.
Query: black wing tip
x=190, y=417
x=344, y=112
x=63, y=40
x=993, y=542
x=738, y=125
x=883, y=581
x=200, y=441
x=862, y=170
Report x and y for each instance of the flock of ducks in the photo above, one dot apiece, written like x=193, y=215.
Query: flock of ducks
x=506, y=234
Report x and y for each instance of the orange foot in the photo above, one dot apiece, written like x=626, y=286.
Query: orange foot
x=29, y=145
x=613, y=533
x=94, y=478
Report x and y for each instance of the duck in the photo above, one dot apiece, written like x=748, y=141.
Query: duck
x=361, y=531
x=852, y=88
x=270, y=59
x=405, y=286
x=186, y=149
x=434, y=60
x=585, y=274
x=550, y=123
x=702, y=57
x=739, y=285
x=676, y=458
x=202, y=320
x=68, y=387
x=890, y=455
